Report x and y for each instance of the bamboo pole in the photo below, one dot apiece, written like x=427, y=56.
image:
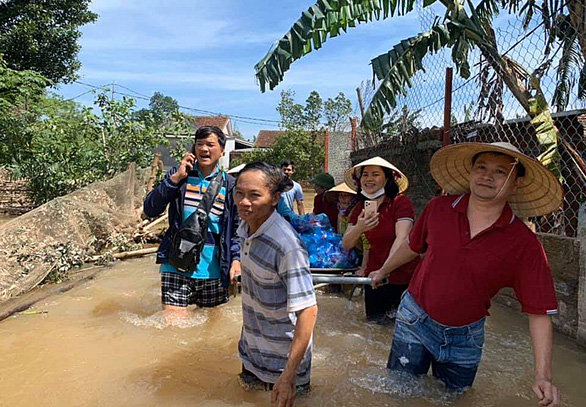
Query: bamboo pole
x=126, y=255
x=156, y=222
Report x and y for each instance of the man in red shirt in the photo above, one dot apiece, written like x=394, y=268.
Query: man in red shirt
x=474, y=245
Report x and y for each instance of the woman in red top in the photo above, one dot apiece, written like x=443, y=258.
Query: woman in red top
x=386, y=228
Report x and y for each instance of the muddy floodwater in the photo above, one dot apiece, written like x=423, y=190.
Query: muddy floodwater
x=104, y=344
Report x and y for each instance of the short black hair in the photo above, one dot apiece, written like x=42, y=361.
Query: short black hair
x=287, y=163
x=520, y=166
x=391, y=187
x=206, y=131
x=276, y=180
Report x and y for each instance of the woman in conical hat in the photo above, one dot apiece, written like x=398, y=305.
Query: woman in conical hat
x=380, y=184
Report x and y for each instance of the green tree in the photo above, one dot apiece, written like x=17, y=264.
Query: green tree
x=337, y=112
x=162, y=109
x=20, y=92
x=71, y=146
x=43, y=36
x=312, y=111
x=292, y=117
x=294, y=145
x=463, y=27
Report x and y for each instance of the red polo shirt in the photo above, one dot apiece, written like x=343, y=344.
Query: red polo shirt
x=459, y=276
x=330, y=208
x=382, y=237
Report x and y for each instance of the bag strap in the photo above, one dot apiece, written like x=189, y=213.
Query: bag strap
x=206, y=203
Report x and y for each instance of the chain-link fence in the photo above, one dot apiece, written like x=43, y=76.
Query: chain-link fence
x=500, y=98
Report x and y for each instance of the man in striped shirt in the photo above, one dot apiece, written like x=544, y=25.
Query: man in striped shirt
x=278, y=300
x=182, y=190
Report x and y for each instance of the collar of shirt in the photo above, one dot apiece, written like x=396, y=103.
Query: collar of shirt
x=243, y=229
x=507, y=216
x=209, y=177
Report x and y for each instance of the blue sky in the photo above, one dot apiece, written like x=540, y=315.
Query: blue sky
x=202, y=53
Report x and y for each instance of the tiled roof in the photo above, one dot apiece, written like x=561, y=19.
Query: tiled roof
x=266, y=138
x=200, y=121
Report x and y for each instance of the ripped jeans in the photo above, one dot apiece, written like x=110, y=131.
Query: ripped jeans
x=453, y=352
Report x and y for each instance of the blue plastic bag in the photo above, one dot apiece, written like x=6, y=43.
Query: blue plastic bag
x=323, y=244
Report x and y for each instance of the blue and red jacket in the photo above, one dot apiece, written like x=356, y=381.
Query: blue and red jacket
x=169, y=193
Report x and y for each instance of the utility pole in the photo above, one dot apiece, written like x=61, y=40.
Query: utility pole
x=447, y=108
x=113, y=89
x=360, y=103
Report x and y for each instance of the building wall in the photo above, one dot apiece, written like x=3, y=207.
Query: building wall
x=339, y=155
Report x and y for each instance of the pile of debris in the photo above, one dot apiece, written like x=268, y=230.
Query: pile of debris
x=98, y=223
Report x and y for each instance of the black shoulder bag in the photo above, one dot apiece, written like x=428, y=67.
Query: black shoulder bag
x=189, y=240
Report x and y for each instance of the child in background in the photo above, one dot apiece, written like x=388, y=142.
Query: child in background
x=346, y=199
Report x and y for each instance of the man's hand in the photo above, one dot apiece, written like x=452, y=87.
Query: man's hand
x=235, y=270
x=284, y=391
x=378, y=278
x=186, y=165
x=546, y=392
x=367, y=222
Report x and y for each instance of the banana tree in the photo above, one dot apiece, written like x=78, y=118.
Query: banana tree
x=463, y=28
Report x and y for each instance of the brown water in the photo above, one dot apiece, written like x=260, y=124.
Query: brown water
x=105, y=344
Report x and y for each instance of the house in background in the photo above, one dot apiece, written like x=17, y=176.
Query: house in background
x=223, y=122
x=266, y=138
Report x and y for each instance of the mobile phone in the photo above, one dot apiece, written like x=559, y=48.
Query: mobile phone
x=369, y=207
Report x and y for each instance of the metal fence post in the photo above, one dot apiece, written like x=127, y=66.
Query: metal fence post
x=582, y=279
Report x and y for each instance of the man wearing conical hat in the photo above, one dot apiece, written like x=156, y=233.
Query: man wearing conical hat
x=474, y=245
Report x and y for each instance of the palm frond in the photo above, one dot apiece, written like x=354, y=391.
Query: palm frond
x=322, y=20
x=396, y=68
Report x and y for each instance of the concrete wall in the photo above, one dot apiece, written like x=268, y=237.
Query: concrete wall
x=563, y=254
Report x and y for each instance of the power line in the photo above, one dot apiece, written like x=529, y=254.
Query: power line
x=137, y=95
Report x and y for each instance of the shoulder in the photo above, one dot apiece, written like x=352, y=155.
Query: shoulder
x=444, y=202
x=284, y=236
x=523, y=234
x=401, y=199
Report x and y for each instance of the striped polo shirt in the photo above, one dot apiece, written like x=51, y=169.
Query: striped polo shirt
x=209, y=262
x=276, y=283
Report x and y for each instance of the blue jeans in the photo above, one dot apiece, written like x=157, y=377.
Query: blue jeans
x=453, y=352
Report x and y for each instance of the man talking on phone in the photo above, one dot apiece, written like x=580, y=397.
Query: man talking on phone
x=182, y=190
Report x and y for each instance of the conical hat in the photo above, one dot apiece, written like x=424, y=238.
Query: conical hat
x=343, y=187
x=539, y=192
x=351, y=176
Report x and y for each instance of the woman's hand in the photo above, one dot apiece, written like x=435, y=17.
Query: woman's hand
x=186, y=165
x=367, y=222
